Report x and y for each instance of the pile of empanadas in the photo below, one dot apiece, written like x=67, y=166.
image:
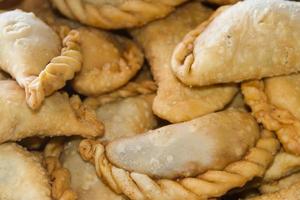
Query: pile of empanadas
x=149, y=99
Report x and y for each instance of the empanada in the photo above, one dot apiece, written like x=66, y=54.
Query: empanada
x=59, y=115
x=84, y=180
x=60, y=176
x=115, y=14
x=275, y=102
x=176, y=102
x=21, y=175
x=249, y=40
x=199, y=159
x=109, y=62
x=30, y=53
x=127, y=117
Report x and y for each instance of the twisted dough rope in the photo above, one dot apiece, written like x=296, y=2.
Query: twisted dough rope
x=60, y=176
x=213, y=183
x=57, y=72
x=281, y=121
x=109, y=16
x=129, y=90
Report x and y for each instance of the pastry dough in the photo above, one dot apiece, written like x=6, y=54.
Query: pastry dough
x=127, y=117
x=275, y=104
x=249, y=40
x=60, y=176
x=109, y=62
x=176, y=102
x=27, y=46
x=21, y=175
x=84, y=180
x=115, y=14
x=59, y=115
x=201, y=171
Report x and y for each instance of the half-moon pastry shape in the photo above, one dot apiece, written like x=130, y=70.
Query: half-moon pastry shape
x=199, y=159
x=115, y=14
x=59, y=115
x=21, y=175
x=275, y=104
x=176, y=102
x=109, y=62
x=30, y=53
x=249, y=40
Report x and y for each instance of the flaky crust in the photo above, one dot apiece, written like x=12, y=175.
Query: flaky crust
x=176, y=102
x=109, y=62
x=60, y=176
x=286, y=125
x=291, y=193
x=60, y=69
x=212, y=183
x=224, y=50
x=59, y=115
x=21, y=175
x=115, y=14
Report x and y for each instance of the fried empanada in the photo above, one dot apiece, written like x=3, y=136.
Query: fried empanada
x=115, y=14
x=291, y=193
x=176, y=102
x=127, y=117
x=60, y=176
x=249, y=40
x=21, y=175
x=199, y=159
x=84, y=180
x=109, y=62
x=275, y=102
x=30, y=53
x=59, y=115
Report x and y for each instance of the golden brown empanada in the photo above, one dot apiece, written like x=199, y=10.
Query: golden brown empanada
x=176, y=102
x=275, y=102
x=59, y=115
x=30, y=54
x=115, y=14
x=21, y=175
x=199, y=159
x=249, y=40
x=109, y=62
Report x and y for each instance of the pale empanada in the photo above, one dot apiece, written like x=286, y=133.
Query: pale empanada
x=199, y=159
x=84, y=180
x=176, y=102
x=21, y=175
x=291, y=193
x=275, y=102
x=115, y=14
x=60, y=176
x=109, y=62
x=30, y=53
x=249, y=40
x=59, y=115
